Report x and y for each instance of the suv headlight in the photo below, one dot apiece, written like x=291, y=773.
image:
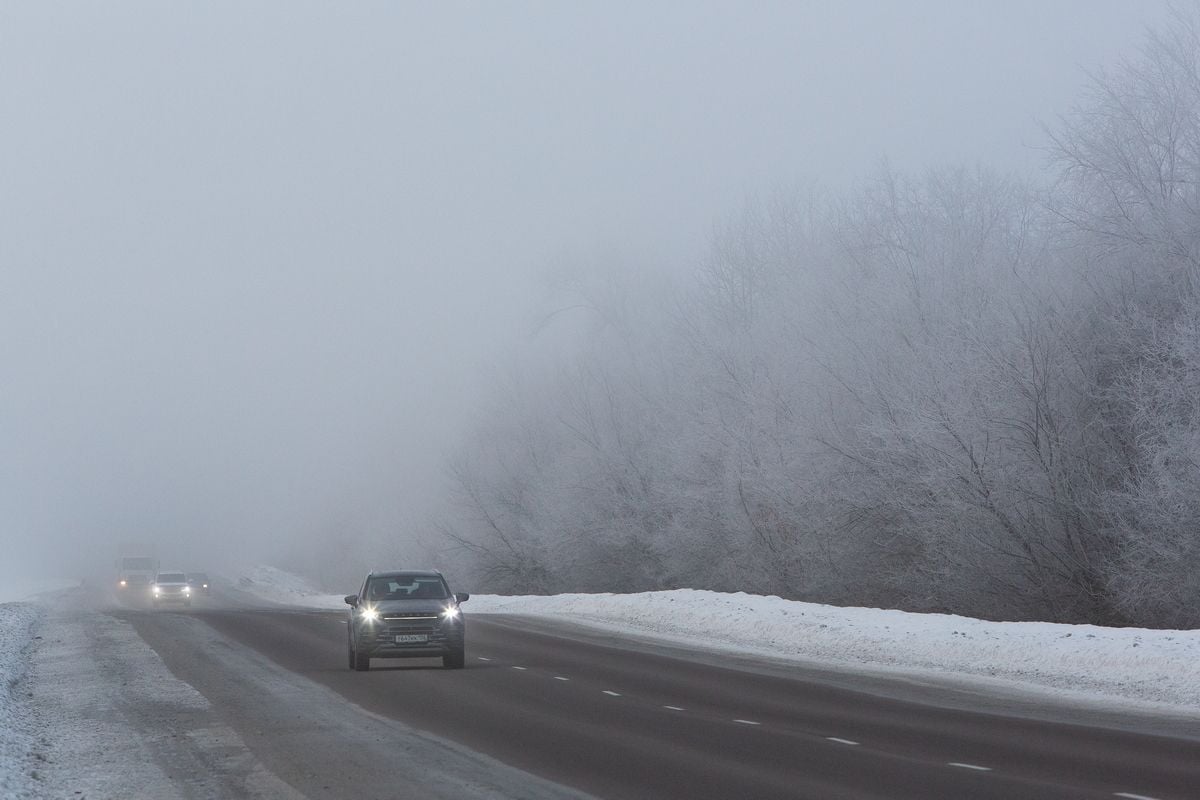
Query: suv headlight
x=368, y=614
x=451, y=613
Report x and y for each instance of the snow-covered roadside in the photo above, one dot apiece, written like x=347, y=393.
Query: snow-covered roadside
x=284, y=588
x=1123, y=667
x=18, y=625
x=113, y=721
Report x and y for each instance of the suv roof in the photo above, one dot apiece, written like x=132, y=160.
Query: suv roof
x=391, y=572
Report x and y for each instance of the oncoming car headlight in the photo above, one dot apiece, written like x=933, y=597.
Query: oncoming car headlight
x=368, y=614
x=451, y=612
x=187, y=590
x=157, y=590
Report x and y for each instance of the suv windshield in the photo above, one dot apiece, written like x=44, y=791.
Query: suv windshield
x=407, y=587
x=171, y=577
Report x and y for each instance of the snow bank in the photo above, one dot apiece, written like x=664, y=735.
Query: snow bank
x=1119, y=666
x=284, y=588
x=17, y=624
x=1132, y=664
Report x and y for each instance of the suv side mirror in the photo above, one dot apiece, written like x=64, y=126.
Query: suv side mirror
x=351, y=600
x=462, y=597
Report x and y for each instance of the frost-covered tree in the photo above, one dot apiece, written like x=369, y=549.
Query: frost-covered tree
x=1129, y=201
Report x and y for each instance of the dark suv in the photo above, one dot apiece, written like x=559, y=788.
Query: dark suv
x=407, y=614
x=198, y=581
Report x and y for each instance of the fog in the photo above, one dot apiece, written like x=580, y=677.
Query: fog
x=258, y=262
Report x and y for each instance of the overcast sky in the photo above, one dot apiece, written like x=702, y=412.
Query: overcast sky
x=254, y=257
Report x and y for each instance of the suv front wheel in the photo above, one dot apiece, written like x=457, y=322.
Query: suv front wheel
x=360, y=662
x=455, y=659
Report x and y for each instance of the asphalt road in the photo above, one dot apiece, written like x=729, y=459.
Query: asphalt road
x=621, y=721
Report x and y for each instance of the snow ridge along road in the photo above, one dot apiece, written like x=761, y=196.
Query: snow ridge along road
x=1130, y=668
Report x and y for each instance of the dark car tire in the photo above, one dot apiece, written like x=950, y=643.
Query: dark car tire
x=362, y=661
x=456, y=659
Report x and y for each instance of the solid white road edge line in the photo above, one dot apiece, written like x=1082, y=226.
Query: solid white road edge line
x=674, y=708
x=521, y=668
x=1129, y=796
x=612, y=694
x=481, y=658
x=747, y=722
x=968, y=766
x=561, y=678
x=840, y=741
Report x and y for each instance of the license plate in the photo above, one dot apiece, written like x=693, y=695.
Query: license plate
x=403, y=638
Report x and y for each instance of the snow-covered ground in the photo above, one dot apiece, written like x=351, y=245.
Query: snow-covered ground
x=21, y=618
x=18, y=624
x=1125, y=667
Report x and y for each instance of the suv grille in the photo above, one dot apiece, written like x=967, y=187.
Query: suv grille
x=393, y=625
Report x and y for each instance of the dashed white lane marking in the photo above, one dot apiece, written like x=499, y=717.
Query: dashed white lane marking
x=674, y=708
x=840, y=741
x=612, y=694
x=1129, y=796
x=747, y=722
x=521, y=668
x=961, y=765
x=481, y=658
x=561, y=678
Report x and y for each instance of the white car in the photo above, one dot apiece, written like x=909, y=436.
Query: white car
x=171, y=587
